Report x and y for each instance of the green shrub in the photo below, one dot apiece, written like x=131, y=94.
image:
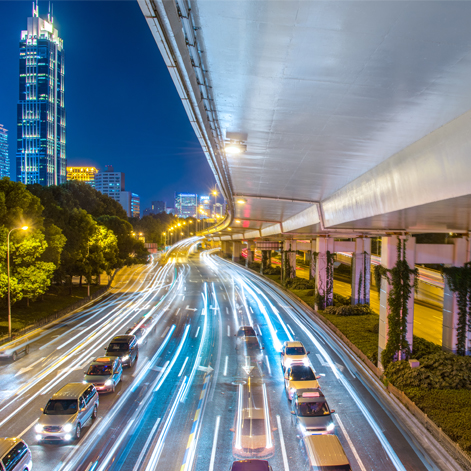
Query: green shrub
x=254, y=266
x=276, y=270
x=340, y=300
x=358, y=330
x=373, y=328
x=422, y=348
x=343, y=311
x=440, y=370
x=299, y=283
x=449, y=409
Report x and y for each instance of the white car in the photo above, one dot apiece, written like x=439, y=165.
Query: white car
x=294, y=353
x=300, y=377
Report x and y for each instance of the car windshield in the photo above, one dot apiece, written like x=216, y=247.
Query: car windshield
x=101, y=370
x=302, y=373
x=295, y=351
x=312, y=409
x=61, y=407
x=253, y=427
x=118, y=347
x=247, y=332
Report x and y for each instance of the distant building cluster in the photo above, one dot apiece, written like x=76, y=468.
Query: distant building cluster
x=82, y=174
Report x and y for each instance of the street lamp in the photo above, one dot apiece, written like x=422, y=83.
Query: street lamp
x=24, y=228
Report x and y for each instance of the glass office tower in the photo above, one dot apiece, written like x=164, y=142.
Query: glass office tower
x=41, y=156
x=4, y=159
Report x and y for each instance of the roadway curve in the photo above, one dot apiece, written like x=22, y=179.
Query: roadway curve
x=178, y=407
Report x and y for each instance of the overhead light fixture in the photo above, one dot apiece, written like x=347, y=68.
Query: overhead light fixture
x=229, y=229
x=235, y=147
x=237, y=221
x=241, y=201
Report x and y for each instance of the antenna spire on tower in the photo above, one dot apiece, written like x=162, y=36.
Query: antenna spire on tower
x=49, y=13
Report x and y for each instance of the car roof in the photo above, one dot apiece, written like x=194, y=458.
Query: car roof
x=325, y=450
x=294, y=344
x=122, y=339
x=299, y=393
x=6, y=443
x=70, y=391
x=250, y=465
x=253, y=413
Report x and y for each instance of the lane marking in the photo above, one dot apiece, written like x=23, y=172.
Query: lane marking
x=178, y=310
x=268, y=364
x=213, y=452
x=228, y=330
x=347, y=436
x=146, y=445
x=321, y=360
x=165, y=332
x=291, y=330
x=225, y=366
x=282, y=441
x=197, y=331
x=183, y=367
x=27, y=428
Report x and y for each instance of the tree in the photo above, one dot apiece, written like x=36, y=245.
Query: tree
x=103, y=252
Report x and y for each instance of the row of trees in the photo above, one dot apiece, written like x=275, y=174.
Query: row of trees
x=74, y=230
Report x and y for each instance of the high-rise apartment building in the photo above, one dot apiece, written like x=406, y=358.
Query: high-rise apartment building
x=186, y=204
x=4, y=159
x=41, y=156
x=82, y=174
x=131, y=203
x=110, y=183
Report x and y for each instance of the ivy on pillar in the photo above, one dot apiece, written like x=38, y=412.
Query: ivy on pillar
x=456, y=306
x=324, y=266
x=266, y=261
x=289, y=259
x=312, y=265
x=361, y=271
x=396, y=312
x=250, y=253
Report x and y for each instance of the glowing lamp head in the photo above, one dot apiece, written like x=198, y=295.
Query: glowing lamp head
x=241, y=201
x=25, y=228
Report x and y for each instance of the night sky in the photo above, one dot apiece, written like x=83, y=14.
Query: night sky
x=122, y=107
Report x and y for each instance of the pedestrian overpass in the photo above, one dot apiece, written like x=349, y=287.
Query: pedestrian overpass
x=332, y=122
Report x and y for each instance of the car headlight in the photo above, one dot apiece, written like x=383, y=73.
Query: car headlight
x=67, y=428
x=288, y=362
x=38, y=428
x=68, y=436
x=126, y=357
x=330, y=427
x=108, y=382
x=306, y=361
x=302, y=428
x=85, y=382
x=293, y=390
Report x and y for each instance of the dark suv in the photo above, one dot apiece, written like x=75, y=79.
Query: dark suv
x=125, y=347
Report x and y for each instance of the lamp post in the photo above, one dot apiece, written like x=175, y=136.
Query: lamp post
x=165, y=239
x=24, y=228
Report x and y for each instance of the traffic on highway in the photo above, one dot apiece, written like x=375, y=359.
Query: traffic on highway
x=195, y=363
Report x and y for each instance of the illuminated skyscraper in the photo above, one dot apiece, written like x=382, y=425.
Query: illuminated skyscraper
x=4, y=159
x=40, y=156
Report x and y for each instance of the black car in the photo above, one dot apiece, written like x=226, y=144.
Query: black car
x=140, y=334
x=125, y=347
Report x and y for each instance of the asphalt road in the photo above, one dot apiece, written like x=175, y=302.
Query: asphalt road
x=180, y=406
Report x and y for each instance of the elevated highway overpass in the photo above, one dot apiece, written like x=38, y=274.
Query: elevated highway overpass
x=329, y=121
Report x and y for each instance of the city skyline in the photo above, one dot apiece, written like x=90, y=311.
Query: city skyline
x=146, y=128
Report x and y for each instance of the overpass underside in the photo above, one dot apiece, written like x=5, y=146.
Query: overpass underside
x=329, y=120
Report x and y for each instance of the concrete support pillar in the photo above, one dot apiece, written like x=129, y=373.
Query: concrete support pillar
x=236, y=251
x=266, y=261
x=450, y=305
x=307, y=257
x=250, y=253
x=225, y=248
x=312, y=265
x=361, y=271
x=289, y=261
x=389, y=260
x=324, y=273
